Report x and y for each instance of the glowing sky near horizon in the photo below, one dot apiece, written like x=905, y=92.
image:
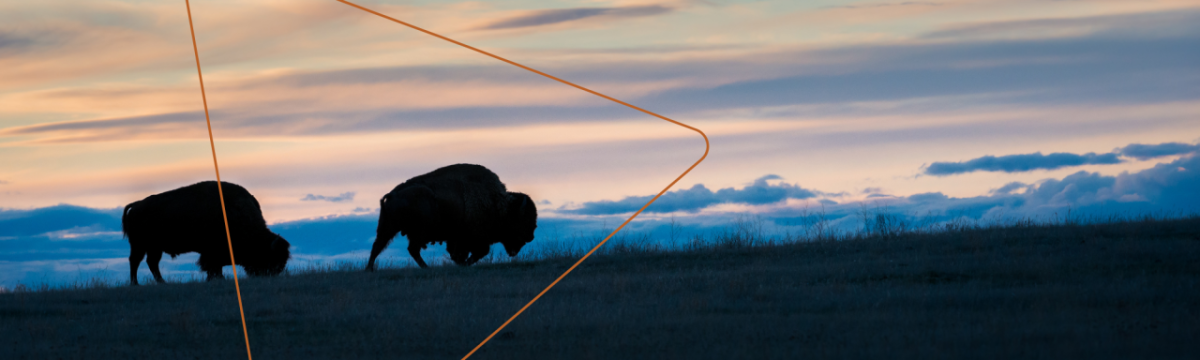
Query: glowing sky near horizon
x=99, y=104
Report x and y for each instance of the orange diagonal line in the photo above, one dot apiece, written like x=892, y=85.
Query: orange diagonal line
x=664, y=190
x=220, y=193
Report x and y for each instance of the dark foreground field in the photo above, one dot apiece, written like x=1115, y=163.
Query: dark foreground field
x=1117, y=291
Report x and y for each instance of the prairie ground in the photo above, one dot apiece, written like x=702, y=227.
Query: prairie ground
x=1121, y=290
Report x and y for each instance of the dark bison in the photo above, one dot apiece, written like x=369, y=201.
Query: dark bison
x=464, y=205
x=188, y=219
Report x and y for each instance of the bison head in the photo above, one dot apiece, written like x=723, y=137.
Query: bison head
x=520, y=222
x=273, y=260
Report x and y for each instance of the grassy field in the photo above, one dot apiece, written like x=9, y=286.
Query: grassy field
x=1123, y=290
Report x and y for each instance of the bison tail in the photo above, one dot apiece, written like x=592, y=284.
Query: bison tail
x=125, y=219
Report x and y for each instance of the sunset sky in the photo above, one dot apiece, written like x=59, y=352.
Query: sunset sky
x=319, y=108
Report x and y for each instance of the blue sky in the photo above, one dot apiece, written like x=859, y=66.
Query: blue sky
x=955, y=108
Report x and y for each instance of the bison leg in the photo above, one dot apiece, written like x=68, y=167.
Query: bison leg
x=152, y=259
x=478, y=254
x=376, y=249
x=459, y=256
x=135, y=259
x=213, y=274
x=414, y=249
x=213, y=270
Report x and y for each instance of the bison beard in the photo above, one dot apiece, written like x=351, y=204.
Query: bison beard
x=464, y=205
x=188, y=219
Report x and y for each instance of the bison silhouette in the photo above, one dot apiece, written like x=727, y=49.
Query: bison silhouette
x=188, y=219
x=464, y=205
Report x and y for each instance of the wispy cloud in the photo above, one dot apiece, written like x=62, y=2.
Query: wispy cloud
x=130, y=123
x=1181, y=22
x=11, y=42
x=360, y=106
x=1020, y=163
x=1037, y=161
x=556, y=16
x=1144, y=152
x=884, y=5
x=343, y=197
x=699, y=197
x=1107, y=69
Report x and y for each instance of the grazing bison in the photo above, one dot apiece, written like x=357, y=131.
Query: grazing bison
x=188, y=219
x=464, y=205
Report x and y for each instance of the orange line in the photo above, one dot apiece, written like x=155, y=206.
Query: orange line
x=664, y=190
x=220, y=193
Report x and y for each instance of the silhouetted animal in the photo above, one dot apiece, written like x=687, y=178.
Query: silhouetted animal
x=464, y=205
x=188, y=219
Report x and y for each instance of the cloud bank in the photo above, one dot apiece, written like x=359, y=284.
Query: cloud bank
x=54, y=243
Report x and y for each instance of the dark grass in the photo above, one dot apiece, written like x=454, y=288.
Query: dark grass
x=1113, y=289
